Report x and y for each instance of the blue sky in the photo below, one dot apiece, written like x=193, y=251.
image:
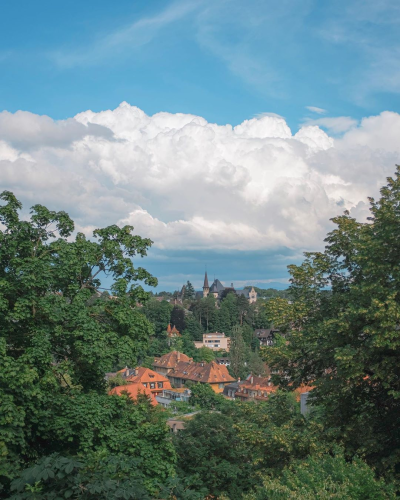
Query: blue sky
x=225, y=61
x=315, y=63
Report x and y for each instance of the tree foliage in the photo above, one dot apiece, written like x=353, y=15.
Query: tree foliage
x=58, y=337
x=342, y=330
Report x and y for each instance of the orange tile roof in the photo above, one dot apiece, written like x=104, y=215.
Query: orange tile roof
x=146, y=376
x=170, y=360
x=133, y=390
x=169, y=329
x=210, y=373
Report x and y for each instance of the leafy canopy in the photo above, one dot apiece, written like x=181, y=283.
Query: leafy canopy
x=58, y=337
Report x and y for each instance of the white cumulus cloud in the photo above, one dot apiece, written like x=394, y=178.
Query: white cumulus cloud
x=190, y=184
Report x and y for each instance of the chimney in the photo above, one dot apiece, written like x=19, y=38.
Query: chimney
x=178, y=356
x=251, y=380
x=231, y=285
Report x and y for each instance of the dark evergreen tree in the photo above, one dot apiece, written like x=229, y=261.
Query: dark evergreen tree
x=189, y=291
x=178, y=318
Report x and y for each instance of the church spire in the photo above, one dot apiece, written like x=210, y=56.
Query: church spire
x=206, y=287
x=206, y=281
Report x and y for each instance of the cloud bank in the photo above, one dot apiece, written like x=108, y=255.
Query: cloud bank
x=190, y=184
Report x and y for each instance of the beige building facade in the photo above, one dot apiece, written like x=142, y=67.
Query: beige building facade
x=215, y=341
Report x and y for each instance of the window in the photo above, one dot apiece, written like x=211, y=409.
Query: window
x=152, y=385
x=145, y=384
x=160, y=385
x=221, y=386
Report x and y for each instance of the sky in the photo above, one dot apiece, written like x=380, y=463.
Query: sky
x=228, y=132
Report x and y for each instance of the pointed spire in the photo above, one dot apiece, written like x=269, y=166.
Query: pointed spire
x=206, y=281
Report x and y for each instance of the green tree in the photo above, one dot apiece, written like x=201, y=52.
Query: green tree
x=238, y=353
x=204, y=354
x=228, y=313
x=203, y=396
x=325, y=477
x=345, y=341
x=208, y=451
x=189, y=291
x=243, y=309
x=193, y=328
x=209, y=313
x=159, y=314
x=256, y=365
x=56, y=343
x=178, y=318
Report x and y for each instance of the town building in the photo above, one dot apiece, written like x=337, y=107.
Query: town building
x=167, y=363
x=151, y=380
x=230, y=390
x=266, y=336
x=169, y=396
x=220, y=291
x=223, y=361
x=179, y=368
x=255, y=388
x=205, y=373
x=178, y=423
x=124, y=373
x=172, y=331
x=215, y=341
x=133, y=391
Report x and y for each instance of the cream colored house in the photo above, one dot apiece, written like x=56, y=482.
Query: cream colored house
x=215, y=341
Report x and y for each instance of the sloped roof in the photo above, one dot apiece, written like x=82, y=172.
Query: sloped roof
x=244, y=292
x=217, y=286
x=133, y=391
x=145, y=375
x=205, y=281
x=170, y=360
x=210, y=373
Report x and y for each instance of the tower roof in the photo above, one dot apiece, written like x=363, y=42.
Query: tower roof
x=206, y=281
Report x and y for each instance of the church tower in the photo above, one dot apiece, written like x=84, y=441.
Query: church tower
x=206, y=288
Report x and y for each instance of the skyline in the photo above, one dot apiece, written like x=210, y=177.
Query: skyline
x=228, y=134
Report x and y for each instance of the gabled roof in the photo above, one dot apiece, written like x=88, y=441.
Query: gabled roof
x=210, y=373
x=145, y=375
x=170, y=360
x=133, y=391
x=244, y=292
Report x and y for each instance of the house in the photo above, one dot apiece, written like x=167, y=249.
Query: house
x=230, y=390
x=168, y=362
x=124, y=373
x=255, y=388
x=215, y=341
x=151, y=380
x=169, y=396
x=172, y=332
x=250, y=294
x=206, y=373
x=219, y=290
x=177, y=424
x=133, y=391
x=266, y=336
x=223, y=361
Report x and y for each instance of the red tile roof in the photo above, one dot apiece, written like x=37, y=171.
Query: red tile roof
x=146, y=376
x=171, y=359
x=210, y=373
x=133, y=390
